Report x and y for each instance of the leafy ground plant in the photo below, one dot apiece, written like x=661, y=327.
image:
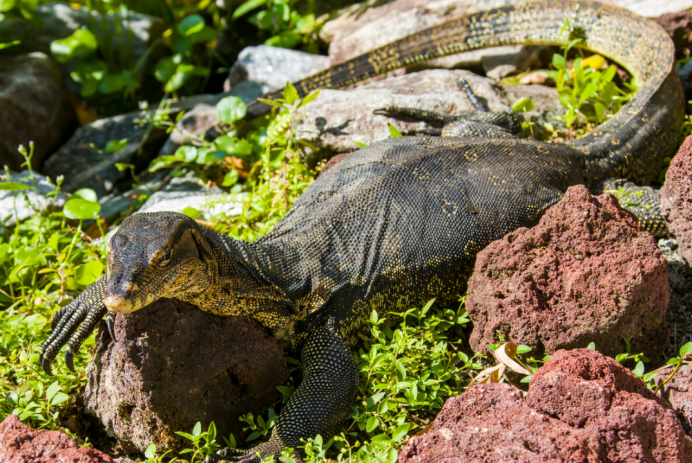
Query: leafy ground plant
x=45, y=261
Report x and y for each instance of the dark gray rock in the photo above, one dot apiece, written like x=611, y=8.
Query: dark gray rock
x=35, y=107
x=84, y=162
x=58, y=20
x=173, y=365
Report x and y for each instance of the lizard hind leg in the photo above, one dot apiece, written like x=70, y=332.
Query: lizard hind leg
x=322, y=402
x=478, y=124
x=643, y=201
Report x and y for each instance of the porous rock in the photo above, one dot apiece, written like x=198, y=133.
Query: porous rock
x=494, y=420
x=21, y=444
x=589, y=391
x=676, y=199
x=581, y=407
x=173, y=365
x=35, y=107
x=84, y=161
x=679, y=313
x=586, y=273
x=678, y=391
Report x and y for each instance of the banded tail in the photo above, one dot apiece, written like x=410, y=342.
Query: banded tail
x=650, y=122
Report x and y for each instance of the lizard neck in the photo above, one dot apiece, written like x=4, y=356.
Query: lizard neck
x=242, y=282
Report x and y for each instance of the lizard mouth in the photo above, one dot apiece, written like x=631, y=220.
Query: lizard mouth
x=118, y=304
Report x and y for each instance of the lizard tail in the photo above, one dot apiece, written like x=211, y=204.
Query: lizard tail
x=649, y=122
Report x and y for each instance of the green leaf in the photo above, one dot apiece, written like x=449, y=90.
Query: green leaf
x=85, y=193
x=371, y=424
x=523, y=105
x=88, y=273
x=81, y=209
x=374, y=399
x=14, y=186
x=81, y=42
x=286, y=391
x=253, y=436
x=591, y=346
x=558, y=61
x=686, y=349
x=639, y=369
x=211, y=432
x=231, y=109
x=290, y=93
x=197, y=430
x=150, y=452
x=247, y=7
x=192, y=212
x=308, y=99
x=394, y=131
x=400, y=432
x=190, y=25
x=185, y=435
x=380, y=438
x=115, y=145
x=52, y=390
x=362, y=145
x=59, y=398
x=400, y=371
x=673, y=361
x=112, y=83
x=230, y=179
x=523, y=348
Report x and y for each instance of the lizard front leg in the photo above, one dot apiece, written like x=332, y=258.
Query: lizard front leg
x=73, y=324
x=320, y=404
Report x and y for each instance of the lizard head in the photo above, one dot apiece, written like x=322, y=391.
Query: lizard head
x=154, y=255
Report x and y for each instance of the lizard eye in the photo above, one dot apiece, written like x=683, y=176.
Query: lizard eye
x=166, y=258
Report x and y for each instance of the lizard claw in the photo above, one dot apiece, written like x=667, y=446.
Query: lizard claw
x=110, y=320
x=45, y=364
x=69, y=361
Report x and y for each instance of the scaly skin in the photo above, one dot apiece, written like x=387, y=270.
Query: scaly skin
x=396, y=223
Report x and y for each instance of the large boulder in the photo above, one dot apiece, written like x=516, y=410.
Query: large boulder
x=337, y=119
x=592, y=392
x=173, y=365
x=586, y=273
x=581, y=407
x=35, y=107
x=21, y=444
x=493, y=419
x=676, y=199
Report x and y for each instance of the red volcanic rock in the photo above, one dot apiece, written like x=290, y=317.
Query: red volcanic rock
x=492, y=422
x=676, y=199
x=592, y=392
x=679, y=392
x=586, y=273
x=581, y=407
x=173, y=365
x=21, y=444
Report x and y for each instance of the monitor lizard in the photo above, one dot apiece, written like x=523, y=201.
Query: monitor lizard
x=398, y=222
